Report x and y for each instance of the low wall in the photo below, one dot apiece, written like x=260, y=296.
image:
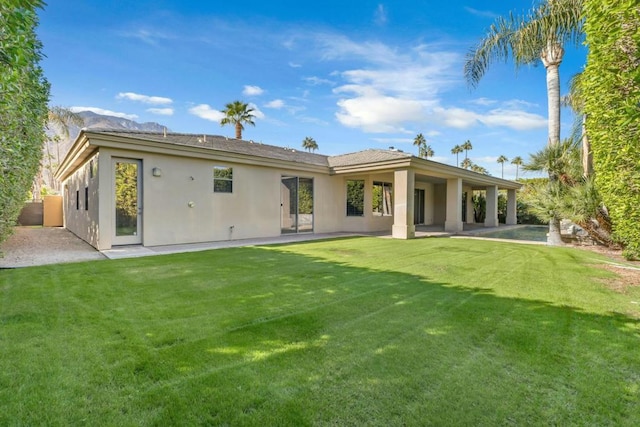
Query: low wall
x=31, y=214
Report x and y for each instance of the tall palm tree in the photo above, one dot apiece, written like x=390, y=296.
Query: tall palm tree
x=575, y=100
x=309, y=144
x=428, y=151
x=420, y=141
x=466, y=147
x=479, y=169
x=238, y=113
x=466, y=163
x=457, y=150
x=540, y=35
x=501, y=160
x=59, y=120
x=518, y=162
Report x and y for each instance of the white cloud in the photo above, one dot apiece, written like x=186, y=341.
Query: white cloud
x=482, y=13
x=483, y=101
x=380, y=17
x=161, y=111
x=104, y=112
x=153, y=100
x=256, y=111
x=252, y=90
x=276, y=104
x=378, y=113
x=204, y=111
x=315, y=81
x=294, y=65
x=514, y=119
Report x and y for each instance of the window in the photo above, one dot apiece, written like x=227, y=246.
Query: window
x=222, y=179
x=355, y=197
x=86, y=198
x=382, y=205
x=77, y=199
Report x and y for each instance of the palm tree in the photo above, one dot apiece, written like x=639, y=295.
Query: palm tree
x=518, y=162
x=309, y=144
x=237, y=113
x=501, y=160
x=466, y=147
x=428, y=151
x=575, y=100
x=540, y=35
x=457, y=150
x=466, y=163
x=420, y=141
x=479, y=169
x=59, y=119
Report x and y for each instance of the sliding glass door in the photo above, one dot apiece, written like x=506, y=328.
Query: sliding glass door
x=296, y=204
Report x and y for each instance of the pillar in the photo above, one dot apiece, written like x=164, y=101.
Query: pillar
x=491, y=220
x=453, y=221
x=403, y=187
x=512, y=208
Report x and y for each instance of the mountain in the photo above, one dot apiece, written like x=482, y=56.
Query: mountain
x=55, y=150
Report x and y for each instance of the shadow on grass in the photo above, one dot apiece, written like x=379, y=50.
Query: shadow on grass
x=265, y=336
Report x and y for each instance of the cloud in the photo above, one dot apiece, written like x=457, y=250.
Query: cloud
x=378, y=113
x=104, y=112
x=153, y=100
x=256, y=111
x=483, y=101
x=294, y=65
x=380, y=16
x=481, y=13
x=461, y=118
x=204, y=111
x=252, y=90
x=149, y=37
x=315, y=81
x=161, y=111
x=276, y=104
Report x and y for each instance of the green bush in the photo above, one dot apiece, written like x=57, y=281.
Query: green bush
x=23, y=107
x=612, y=105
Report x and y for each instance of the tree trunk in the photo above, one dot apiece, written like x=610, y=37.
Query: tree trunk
x=551, y=58
x=238, y=131
x=587, y=155
x=554, y=238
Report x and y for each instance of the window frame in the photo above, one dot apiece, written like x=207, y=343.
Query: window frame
x=222, y=184
x=352, y=210
x=380, y=208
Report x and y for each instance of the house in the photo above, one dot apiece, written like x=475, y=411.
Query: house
x=124, y=188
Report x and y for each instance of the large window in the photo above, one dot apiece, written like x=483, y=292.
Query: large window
x=355, y=197
x=222, y=179
x=382, y=202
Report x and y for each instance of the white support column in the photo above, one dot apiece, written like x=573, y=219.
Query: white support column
x=453, y=221
x=470, y=219
x=403, y=186
x=512, y=208
x=491, y=219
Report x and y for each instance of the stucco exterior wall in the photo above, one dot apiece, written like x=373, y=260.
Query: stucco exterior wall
x=439, y=203
x=428, y=201
x=80, y=191
x=180, y=206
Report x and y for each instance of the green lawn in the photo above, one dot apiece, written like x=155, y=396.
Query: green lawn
x=359, y=331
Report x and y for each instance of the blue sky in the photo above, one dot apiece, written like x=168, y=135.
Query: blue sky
x=352, y=74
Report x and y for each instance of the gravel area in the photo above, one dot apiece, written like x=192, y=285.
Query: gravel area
x=29, y=246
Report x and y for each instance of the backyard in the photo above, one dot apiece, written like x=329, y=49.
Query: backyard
x=353, y=331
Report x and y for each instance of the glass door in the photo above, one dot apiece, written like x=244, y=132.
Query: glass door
x=128, y=210
x=418, y=206
x=296, y=204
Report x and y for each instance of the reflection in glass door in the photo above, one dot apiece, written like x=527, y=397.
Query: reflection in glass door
x=296, y=204
x=127, y=215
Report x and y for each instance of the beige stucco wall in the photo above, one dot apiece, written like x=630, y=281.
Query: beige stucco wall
x=77, y=219
x=369, y=222
x=428, y=201
x=439, y=203
x=252, y=210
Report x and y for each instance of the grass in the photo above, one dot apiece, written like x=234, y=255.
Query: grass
x=360, y=331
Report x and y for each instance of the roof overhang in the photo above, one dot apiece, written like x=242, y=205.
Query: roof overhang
x=428, y=168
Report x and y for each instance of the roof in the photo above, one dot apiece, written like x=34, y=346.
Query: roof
x=222, y=143
x=366, y=156
x=216, y=146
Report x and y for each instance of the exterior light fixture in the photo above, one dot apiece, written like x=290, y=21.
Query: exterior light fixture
x=156, y=172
